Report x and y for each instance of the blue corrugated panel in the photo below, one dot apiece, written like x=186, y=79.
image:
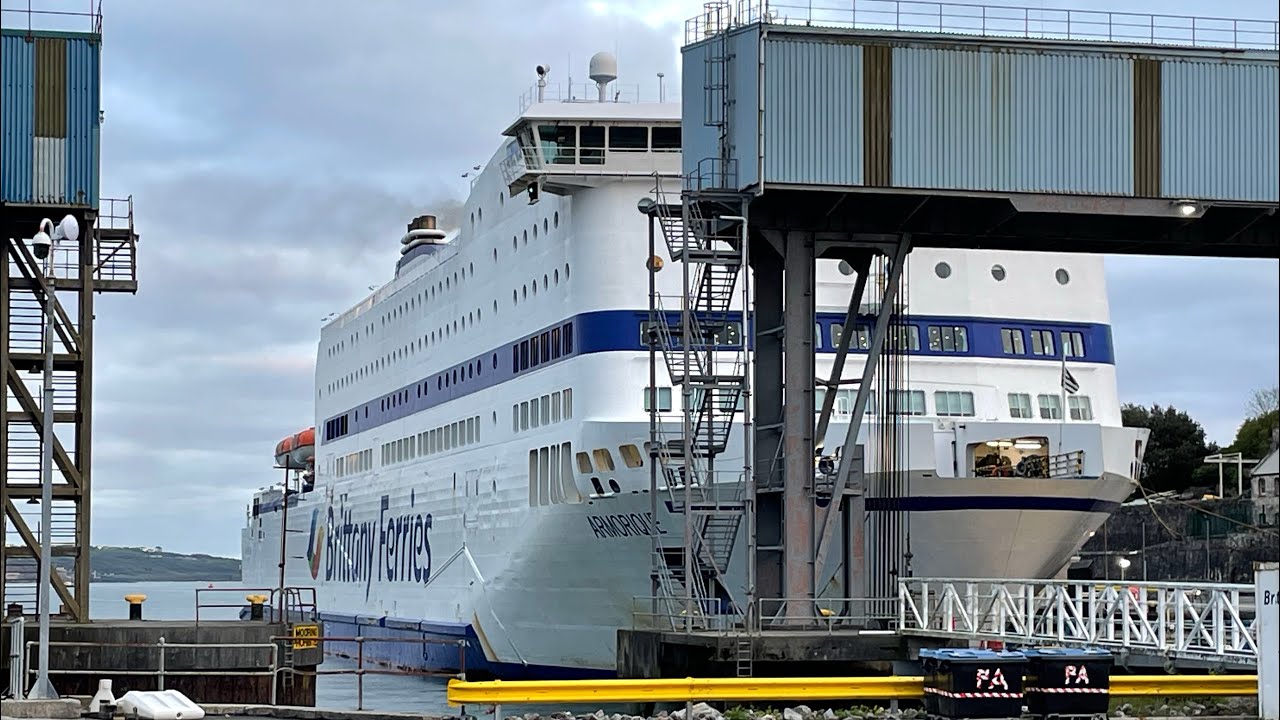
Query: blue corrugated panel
x=697, y=139
x=53, y=161
x=744, y=122
x=17, y=115
x=1220, y=128
x=1012, y=121
x=812, y=112
x=83, y=102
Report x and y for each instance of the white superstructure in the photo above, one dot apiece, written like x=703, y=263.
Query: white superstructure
x=479, y=466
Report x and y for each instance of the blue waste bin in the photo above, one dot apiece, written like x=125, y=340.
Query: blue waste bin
x=964, y=683
x=1068, y=681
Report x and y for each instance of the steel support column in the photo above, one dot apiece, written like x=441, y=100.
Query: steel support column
x=798, y=443
x=767, y=396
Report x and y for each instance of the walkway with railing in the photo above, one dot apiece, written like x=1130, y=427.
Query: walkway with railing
x=997, y=21
x=1178, y=621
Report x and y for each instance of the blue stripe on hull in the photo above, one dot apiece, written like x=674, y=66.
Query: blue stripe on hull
x=439, y=657
x=620, y=330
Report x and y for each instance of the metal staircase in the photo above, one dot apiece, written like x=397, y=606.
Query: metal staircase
x=702, y=347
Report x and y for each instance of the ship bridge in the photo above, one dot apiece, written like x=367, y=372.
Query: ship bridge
x=578, y=136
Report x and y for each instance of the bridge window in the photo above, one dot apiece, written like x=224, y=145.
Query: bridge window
x=1073, y=343
x=664, y=399
x=629, y=139
x=591, y=145
x=948, y=338
x=953, y=403
x=1080, y=407
x=1050, y=407
x=1042, y=342
x=666, y=139
x=1019, y=405
x=568, y=403
x=1012, y=342
x=584, y=462
x=559, y=143
x=906, y=402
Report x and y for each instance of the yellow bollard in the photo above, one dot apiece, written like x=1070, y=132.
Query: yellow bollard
x=135, y=605
x=255, y=605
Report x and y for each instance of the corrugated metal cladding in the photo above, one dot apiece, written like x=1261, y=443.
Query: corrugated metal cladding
x=697, y=139
x=49, y=107
x=744, y=93
x=982, y=119
x=813, y=111
x=1221, y=134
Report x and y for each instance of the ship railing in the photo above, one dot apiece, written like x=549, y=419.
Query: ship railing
x=290, y=602
x=710, y=615
x=363, y=666
x=160, y=671
x=1212, y=621
x=41, y=19
x=862, y=614
x=994, y=21
x=1067, y=464
x=564, y=92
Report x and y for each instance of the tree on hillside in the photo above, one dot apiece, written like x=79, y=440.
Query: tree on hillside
x=1174, y=459
x=1264, y=402
x=1253, y=439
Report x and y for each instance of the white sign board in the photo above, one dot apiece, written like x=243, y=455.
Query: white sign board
x=1267, y=577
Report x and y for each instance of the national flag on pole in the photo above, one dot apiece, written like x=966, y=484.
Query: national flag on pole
x=1068, y=381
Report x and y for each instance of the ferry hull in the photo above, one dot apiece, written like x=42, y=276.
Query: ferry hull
x=540, y=592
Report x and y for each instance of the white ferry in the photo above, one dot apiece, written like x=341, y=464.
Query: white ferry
x=478, y=469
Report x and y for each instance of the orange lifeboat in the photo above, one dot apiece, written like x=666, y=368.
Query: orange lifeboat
x=297, y=451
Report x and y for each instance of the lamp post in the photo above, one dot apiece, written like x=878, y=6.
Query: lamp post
x=42, y=245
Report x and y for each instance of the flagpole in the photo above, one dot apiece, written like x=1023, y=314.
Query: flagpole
x=1062, y=392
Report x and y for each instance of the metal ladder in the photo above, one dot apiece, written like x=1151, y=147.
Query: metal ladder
x=745, y=655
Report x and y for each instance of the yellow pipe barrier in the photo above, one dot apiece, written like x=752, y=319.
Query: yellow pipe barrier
x=905, y=687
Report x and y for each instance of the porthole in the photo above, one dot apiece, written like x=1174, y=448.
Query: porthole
x=1063, y=276
x=502, y=200
x=943, y=270
x=845, y=268
x=535, y=232
x=495, y=361
x=495, y=305
x=514, y=297
x=556, y=276
x=473, y=218
x=535, y=286
x=555, y=219
x=544, y=281
x=997, y=272
x=480, y=214
x=514, y=245
x=495, y=422
x=524, y=291
x=566, y=271
x=525, y=237
x=495, y=253
x=544, y=225
x=471, y=268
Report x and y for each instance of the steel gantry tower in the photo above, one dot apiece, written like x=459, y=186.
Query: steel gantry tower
x=101, y=260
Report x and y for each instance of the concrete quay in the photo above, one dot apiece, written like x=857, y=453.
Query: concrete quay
x=214, y=661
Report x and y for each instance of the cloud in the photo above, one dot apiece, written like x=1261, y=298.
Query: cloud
x=275, y=155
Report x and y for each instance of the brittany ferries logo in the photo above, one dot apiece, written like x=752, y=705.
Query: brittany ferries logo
x=314, y=544
x=391, y=548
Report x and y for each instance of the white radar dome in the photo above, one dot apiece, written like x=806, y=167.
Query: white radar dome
x=603, y=67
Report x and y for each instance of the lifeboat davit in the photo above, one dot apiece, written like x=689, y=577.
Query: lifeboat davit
x=298, y=451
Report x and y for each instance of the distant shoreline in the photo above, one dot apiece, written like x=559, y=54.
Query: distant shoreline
x=108, y=564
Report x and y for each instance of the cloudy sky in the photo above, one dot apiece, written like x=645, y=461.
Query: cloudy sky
x=275, y=150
